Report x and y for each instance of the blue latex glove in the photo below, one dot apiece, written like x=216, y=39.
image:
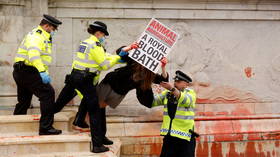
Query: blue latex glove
x=45, y=77
x=123, y=53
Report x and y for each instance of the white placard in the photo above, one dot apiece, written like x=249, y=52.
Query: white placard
x=154, y=43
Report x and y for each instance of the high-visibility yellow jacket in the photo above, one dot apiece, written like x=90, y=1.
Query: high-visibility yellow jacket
x=35, y=49
x=184, y=116
x=91, y=56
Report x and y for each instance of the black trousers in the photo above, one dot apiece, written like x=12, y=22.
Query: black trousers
x=176, y=147
x=89, y=103
x=67, y=94
x=29, y=82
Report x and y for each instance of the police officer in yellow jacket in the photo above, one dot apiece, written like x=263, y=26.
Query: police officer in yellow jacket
x=31, y=73
x=178, y=117
x=90, y=59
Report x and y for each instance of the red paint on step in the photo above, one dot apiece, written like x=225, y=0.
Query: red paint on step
x=216, y=150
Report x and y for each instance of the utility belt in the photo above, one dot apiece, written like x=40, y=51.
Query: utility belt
x=20, y=66
x=85, y=73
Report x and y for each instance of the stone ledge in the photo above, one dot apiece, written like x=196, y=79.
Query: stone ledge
x=52, y=146
x=21, y=140
x=59, y=117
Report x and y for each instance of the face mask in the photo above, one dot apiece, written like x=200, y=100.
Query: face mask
x=52, y=33
x=102, y=40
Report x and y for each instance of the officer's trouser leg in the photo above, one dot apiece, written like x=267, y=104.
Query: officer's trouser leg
x=24, y=96
x=90, y=99
x=81, y=114
x=46, y=95
x=31, y=80
x=66, y=95
x=103, y=121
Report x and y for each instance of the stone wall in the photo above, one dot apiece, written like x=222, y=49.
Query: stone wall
x=230, y=48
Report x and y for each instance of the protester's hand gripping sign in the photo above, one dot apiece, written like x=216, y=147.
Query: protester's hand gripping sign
x=154, y=44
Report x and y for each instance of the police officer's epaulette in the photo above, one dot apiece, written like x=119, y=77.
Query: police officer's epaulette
x=98, y=44
x=39, y=31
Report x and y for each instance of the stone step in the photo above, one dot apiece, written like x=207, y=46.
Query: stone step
x=28, y=125
x=51, y=146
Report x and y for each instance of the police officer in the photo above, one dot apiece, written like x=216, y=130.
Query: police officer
x=31, y=73
x=89, y=60
x=178, y=117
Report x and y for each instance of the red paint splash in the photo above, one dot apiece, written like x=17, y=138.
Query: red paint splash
x=250, y=149
x=216, y=150
x=202, y=149
x=155, y=148
x=248, y=72
x=232, y=152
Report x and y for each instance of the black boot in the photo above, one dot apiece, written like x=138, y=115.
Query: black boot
x=107, y=141
x=51, y=131
x=81, y=116
x=99, y=149
x=81, y=124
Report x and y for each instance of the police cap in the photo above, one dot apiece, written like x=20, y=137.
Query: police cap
x=100, y=26
x=180, y=76
x=52, y=20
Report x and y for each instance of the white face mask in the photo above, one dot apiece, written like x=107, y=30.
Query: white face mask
x=53, y=33
x=102, y=40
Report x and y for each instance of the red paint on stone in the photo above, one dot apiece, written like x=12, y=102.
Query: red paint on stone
x=248, y=72
x=155, y=149
x=36, y=119
x=232, y=152
x=216, y=150
x=261, y=149
x=277, y=143
x=241, y=109
x=250, y=149
x=202, y=149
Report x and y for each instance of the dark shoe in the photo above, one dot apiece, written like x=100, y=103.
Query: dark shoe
x=81, y=124
x=51, y=131
x=99, y=149
x=106, y=141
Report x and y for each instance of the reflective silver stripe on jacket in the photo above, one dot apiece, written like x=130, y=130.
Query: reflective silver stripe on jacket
x=106, y=62
x=180, y=116
x=34, y=58
x=34, y=48
x=22, y=56
x=85, y=60
x=45, y=54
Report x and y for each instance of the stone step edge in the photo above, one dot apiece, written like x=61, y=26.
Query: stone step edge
x=113, y=152
x=59, y=117
x=20, y=140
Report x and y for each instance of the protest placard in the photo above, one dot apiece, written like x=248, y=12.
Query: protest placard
x=154, y=43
